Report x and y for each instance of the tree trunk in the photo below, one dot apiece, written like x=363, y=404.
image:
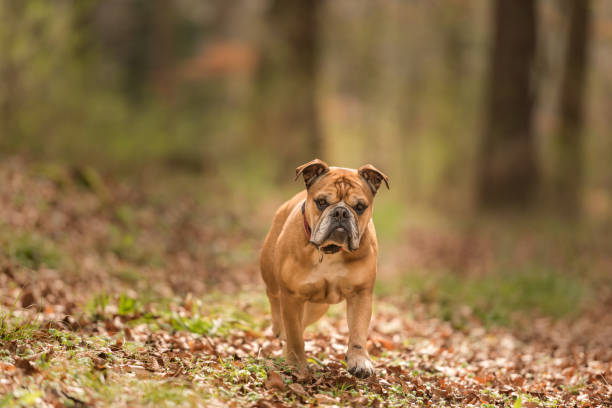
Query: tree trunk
x=507, y=170
x=569, y=163
x=286, y=117
x=10, y=81
x=161, y=49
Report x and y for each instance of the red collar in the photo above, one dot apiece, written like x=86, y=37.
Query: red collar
x=330, y=249
x=306, y=226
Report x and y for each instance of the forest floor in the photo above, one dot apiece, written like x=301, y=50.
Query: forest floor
x=112, y=296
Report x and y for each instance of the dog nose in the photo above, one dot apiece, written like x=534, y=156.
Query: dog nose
x=340, y=213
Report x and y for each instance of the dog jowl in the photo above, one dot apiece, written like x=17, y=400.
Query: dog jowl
x=321, y=250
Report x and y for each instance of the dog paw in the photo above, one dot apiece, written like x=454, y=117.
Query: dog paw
x=299, y=364
x=360, y=366
x=301, y=370
x=275, y=332
x=303, y=374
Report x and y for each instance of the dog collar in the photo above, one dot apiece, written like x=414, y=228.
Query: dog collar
x=306, y=226
x=329, y=249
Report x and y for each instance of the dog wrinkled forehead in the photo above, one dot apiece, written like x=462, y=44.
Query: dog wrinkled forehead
x=341, y=184
x=319, y=175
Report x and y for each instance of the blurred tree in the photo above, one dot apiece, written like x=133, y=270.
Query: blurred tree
x=9, y=82
x=36, y=40
x=285, y=107
x=569, y=143
x=162, y=48
x=507, y=170
x=137, y=36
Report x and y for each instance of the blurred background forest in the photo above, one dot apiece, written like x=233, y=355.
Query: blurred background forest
x=480, y=112
x=145, y=145
x=460, y=103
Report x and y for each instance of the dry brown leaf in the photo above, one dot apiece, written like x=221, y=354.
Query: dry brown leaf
x=298, y=389
x=384, y=343
x=27, y=366
x=6, y=367
x=98, y=363
x=274, y=380
x=325, y=399
x=265, y=403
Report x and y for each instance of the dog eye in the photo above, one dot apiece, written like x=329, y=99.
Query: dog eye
x=360, y=208
x=321, y=203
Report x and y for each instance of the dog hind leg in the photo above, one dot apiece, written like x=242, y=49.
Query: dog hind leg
x=277, y=321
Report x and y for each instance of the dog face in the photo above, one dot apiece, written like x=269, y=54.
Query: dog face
x=339, y=202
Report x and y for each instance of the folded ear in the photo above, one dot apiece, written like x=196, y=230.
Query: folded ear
x=373, y=176
x=311, y=171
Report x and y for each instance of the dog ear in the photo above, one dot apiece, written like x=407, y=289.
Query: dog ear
x=311, y=171
x=373, y=176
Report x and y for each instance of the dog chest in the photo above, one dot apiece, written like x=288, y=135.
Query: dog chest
x=328, y=282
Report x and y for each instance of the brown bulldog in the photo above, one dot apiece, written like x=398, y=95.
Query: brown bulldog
x=322, y=249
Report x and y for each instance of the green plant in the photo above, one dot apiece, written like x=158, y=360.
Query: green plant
x=16, y=328
x=497, y=298
x=97, y=306
x=32, y=251
x=127, y=305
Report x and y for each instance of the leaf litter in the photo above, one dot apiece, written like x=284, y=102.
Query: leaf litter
x=131, y=308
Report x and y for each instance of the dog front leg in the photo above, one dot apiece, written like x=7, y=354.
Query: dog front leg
x=292, y=310
x=359, y=312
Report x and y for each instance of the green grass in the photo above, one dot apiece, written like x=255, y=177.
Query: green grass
x=127, y=305
x=129, y=275
x=97, y=305
x=31, y=251
x=16, y=328
x=22, y=397
x=166, y=393
x=225, y=314
x=496, y=299
x=67, y=339
x=217, y=321
x=387, y=216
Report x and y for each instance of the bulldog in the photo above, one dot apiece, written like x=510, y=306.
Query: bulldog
x=321, y=250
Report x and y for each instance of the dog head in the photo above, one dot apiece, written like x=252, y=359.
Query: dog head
x=339, y=202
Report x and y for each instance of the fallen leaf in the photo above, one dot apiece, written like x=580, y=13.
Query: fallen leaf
x=26, y=365
x=325, y=399
x=298, y=389
x=7, y=367
x=99, y=363
x=28, y=299
x=275, y=380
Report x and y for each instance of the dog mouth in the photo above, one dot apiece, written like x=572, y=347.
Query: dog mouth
x=338, y=238
x=331, y=248
x=340, y=231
